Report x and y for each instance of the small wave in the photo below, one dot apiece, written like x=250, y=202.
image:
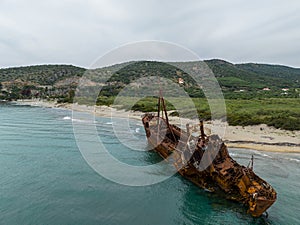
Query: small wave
x=294, y=160
x=137, y=130
x=109, y=123
x=82, y=121
x=263, y=154
x=77, y=120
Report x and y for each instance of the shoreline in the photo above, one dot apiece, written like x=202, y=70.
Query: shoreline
x=257, y=137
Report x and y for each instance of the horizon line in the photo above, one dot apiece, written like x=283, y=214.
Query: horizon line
x=83, y=67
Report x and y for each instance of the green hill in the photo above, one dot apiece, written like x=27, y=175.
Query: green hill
x=245, y=81
x=254, y=93
x=256, y=75
x=283, y=73
x=40, y=74
x=238, y=81
x=248, y=80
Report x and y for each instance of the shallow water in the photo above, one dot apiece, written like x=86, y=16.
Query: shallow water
x=45, y=180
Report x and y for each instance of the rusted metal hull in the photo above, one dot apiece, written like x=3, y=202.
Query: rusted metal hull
x=222, y=175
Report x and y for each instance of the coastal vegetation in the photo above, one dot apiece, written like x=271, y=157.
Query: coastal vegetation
x=277, y=112
x=254, y=93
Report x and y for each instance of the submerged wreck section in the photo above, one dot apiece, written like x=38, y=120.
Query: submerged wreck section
x=205, y=161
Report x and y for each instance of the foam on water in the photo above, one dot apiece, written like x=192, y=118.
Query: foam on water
x=293, y=159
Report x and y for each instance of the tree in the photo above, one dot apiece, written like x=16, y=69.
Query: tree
x=26, y=91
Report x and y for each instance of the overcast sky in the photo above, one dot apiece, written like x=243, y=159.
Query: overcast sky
x=79, y=31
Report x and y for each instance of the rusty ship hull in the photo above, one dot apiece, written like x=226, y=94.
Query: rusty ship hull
x=223, y=175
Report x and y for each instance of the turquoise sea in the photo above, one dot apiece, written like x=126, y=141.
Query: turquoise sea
x=45, y=180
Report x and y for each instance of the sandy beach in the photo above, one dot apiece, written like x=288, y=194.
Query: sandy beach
x=259, y=137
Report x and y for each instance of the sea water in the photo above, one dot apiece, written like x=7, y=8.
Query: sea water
x=45, y=180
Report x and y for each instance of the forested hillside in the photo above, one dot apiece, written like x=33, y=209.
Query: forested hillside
x=237, y=80
x=254, y=93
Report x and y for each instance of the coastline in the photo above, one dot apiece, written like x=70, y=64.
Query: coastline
x=258, y=137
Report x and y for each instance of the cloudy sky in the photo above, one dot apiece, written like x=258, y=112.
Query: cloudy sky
x=79, y=31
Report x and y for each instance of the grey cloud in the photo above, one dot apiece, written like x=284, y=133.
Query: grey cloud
x=77, y=31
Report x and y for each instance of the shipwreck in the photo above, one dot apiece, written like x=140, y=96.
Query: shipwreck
x=222, y=175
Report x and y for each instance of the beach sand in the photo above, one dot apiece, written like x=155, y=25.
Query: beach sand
x=259, y=137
